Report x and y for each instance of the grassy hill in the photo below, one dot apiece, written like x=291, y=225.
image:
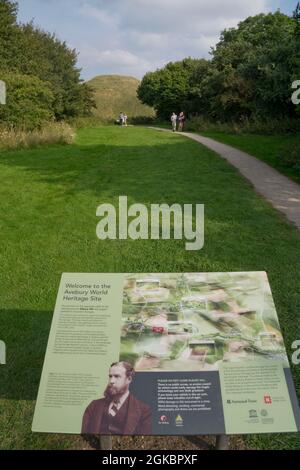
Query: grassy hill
x=115, y=94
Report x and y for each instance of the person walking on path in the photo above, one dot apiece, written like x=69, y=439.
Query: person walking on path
x=181, y=121
x=174, y=122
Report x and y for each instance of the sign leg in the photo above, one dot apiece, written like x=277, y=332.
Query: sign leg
x=222, y=442
x=106, y=442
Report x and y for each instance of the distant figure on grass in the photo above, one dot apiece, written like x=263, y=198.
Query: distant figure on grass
x=125, y=117
x=181, y=121
x=174, y=122
x=121, y=119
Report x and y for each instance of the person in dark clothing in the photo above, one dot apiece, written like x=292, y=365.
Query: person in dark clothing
x=181, y=120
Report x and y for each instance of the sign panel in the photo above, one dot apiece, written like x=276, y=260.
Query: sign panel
x=166, y=354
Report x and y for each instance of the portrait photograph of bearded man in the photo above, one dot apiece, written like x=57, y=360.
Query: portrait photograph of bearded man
x=118, y=412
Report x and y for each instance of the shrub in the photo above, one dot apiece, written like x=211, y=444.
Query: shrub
x=29, y=101
x=290, y=155
x=92, y=121
x=244, y=126
x=143, y=120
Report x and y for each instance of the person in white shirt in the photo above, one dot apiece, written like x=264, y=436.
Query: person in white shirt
x=174, y=122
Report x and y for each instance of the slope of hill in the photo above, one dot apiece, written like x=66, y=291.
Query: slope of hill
x=115, y=94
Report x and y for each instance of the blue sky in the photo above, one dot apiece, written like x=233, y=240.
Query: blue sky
x=131, y=37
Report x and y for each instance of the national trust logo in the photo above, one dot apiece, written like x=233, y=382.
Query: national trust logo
x=164, y=420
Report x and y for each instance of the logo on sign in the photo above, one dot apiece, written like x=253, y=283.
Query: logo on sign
x=179, y=421
x=164, y=420
x=252, y=414
x=158, y=329
x=268, y=400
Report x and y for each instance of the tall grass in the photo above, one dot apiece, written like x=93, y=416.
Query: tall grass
x=51, y=133
x=95, y=121
x=88, y=122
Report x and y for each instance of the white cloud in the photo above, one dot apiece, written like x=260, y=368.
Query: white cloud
x=142, y=35
x=114, y=61
x=101, y=16
x=118, y=57
x=134, y=36
x=182, y=16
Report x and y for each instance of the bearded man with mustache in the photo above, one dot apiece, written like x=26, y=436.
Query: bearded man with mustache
x=119, y=412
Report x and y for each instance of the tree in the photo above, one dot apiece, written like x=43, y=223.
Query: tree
x=26, y=50
x=249, y=75
x=8, y=32
x=253, y=67
x=46, y=57
x=170, y=89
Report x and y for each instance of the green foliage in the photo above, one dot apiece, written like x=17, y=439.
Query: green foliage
x=26, y=50
x=249, y=76
x=171, y=88
x=44, y=56
x=8, y=32
x=144, y=120
x=253, y=125
x=252, y=68
x=29, y=101
x=290, y=155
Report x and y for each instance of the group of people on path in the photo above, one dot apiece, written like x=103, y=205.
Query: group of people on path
x=178, y=122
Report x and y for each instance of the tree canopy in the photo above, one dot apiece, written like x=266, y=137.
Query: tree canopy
x=249, y=74
x=27, y=51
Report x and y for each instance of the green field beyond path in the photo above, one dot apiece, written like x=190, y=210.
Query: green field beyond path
x=48, y=223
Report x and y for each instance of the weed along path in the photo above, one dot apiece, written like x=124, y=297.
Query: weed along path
x=280, y=191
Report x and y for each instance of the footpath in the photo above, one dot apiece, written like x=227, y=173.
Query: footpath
x=280, y=191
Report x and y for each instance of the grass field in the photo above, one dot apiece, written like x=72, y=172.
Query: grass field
x=115, y=94
x=264, y=147
x=48, y=223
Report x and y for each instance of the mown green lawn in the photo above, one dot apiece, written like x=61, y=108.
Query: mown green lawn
x=48, y=223
x=265, y=147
